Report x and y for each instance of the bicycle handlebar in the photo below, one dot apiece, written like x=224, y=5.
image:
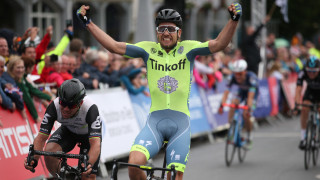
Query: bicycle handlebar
x=312, y=106
x=59, y=154
x=82, y=157
x=236, y=106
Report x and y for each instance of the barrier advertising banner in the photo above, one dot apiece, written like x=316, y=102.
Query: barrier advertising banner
x=211, y=100
x=119, y=126
x=263, y=105
x=289, y=88
x=274, y=90
x=15, y=137
x=141, y=106
x=198, y=119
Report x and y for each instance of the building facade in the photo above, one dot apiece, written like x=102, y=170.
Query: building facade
x=124, y=20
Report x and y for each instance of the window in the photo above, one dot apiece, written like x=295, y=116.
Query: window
x=43, y=16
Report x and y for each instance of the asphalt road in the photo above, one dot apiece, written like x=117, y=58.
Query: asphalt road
x=274, y=156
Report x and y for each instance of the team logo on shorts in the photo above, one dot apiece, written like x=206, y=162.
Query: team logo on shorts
x=180, y=50
x=153, y=50
x=167, y=84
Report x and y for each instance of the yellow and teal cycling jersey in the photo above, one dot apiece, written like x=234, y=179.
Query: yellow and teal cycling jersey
x=169, y=74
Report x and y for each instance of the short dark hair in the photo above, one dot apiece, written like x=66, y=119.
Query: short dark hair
x=76, y=45
x=28, y=61
x=53, y=58
x=25, y=46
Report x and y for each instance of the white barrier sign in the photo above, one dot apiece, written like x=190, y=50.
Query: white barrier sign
x=119, y=127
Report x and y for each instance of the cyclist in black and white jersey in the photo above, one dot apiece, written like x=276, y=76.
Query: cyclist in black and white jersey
x=80, y=123
x=311, y=76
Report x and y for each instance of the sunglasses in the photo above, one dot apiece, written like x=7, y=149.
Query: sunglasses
x=70, y=106
x=170, y=29
x=30, y=44
x=313, y=70
x=239, y=73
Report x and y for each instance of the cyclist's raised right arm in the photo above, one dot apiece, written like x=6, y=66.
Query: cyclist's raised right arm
x=103, y=38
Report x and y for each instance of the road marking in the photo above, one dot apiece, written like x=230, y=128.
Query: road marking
x=318, y=176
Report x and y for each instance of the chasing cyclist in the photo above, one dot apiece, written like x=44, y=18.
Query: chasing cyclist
x=169, y=67
x=310, y=74
x=247, y=83
x=80, y=123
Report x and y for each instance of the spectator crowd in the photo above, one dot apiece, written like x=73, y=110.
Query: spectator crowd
x=32, y=68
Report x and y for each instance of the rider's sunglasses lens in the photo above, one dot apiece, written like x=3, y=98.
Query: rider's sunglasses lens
x=71, y=106
x=170, y=29
x=313, y=70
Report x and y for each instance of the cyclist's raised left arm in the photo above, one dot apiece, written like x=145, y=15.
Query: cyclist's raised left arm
x=227, y=32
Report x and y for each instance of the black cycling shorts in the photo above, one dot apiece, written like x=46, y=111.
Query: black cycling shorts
x=312, y=95
x=67, y=140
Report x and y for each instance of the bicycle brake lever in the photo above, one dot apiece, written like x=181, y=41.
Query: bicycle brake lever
x=85, y=160
x=30, y=154
x=30, y=157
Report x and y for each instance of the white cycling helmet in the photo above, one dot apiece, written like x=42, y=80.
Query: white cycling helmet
x=239, y=65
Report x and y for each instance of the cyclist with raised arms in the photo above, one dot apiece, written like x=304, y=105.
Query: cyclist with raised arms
x=310, y=74
x=169, y=72
x=247, y=93
x=80, y=123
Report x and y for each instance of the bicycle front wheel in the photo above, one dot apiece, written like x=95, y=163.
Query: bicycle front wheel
x=315, y=144
x=241, y=153
x=230, y=144
x=308, y=148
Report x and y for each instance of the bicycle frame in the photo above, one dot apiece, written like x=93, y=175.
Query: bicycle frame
x=239, y=125
x=238, y=119
x=234, y=140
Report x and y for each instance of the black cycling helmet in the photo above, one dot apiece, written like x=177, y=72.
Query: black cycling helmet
x=169, y=15
x=71, y=92
x=312, y=63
